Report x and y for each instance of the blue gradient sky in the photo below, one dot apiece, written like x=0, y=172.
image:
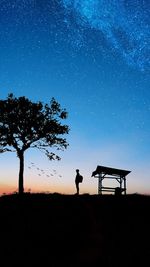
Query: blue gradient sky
x=93, y=57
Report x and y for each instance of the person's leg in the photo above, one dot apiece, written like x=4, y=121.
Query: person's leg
x=77, y=187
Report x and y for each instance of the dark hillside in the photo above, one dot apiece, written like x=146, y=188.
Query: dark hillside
x=69, y=230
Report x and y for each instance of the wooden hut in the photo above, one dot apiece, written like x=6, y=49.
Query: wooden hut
x=119, y=175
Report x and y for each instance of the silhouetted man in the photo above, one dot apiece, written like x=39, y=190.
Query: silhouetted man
x=78, y=180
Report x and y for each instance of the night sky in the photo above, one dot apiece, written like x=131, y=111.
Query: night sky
x=93, y=57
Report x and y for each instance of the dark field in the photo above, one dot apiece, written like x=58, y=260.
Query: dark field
x=69, y=230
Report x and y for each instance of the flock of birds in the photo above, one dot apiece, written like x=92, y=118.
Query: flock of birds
x=42, y=172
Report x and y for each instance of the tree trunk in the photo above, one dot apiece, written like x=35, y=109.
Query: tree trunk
x=21, y=170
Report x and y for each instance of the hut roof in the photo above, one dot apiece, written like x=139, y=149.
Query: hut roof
x=110, y=171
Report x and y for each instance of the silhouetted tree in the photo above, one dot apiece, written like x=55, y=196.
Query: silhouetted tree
x=25, y=124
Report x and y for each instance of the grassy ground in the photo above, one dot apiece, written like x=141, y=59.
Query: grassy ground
x=72, y=231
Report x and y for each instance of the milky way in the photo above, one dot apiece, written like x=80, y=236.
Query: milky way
x=124, y=24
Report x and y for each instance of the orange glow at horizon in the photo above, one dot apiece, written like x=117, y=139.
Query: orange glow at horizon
x=63, y=181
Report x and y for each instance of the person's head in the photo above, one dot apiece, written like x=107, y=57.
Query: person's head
x=77, y=170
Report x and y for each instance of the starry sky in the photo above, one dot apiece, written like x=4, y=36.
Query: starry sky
x=93, y=57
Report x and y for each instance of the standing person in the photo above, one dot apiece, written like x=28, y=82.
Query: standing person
x=78, y=180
